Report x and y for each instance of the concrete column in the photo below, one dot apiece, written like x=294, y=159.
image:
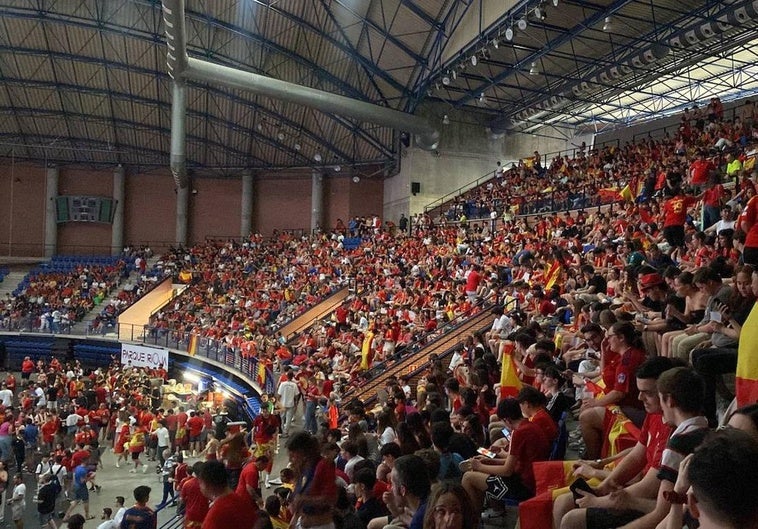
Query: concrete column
x=182, y=214
x=51, y=226
x=317, y=200
x=117, y=228
x=246, y=220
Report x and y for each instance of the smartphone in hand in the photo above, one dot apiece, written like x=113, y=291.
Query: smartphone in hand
x=580, y=484
x=486, y=453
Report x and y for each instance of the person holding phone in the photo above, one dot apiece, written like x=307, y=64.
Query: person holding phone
x=512, y=477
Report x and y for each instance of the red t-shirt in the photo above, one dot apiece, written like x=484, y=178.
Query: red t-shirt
x=473, y=280
x=749, y=216
x=231, y=510
x=195, y=425
x=195, y=504
x=27, y=366
x=619, y=375
x=249, y=477
x=546, y=423
x=654, y=436
x=675, y=210
x=528, y=445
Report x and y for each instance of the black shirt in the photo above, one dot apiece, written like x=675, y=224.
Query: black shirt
x=46, y=498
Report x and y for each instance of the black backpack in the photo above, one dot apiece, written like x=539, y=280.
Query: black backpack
x=56, y=483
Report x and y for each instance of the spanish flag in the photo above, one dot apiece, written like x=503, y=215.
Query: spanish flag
x=552, y=274
x=746, y=383
x=595, y=388
x=185, y=276
x=261, y=378
x=510, y=384
x=192, y=346
x=620, y=432
x=366, y=350
x=627, y=193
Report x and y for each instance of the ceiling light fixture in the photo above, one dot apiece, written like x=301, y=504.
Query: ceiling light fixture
x=317, y=157
x=533, y=70
x=555, y=3
x=509, y=33
x=280, y=136
x=522, y=24
x=297, y=147
x=445, y=120
x=337, y=168
x=474, y=60
x=482, y=98
x=495, y=43
x=608, y=24
x=446, y=79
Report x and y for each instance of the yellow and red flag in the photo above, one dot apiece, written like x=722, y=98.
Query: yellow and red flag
x=510, y=384
x=746, y=383
x=552, y=274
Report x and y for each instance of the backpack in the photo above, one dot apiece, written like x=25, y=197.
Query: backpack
x=56, y=483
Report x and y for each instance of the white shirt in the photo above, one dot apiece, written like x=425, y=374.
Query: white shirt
x=119, y=516
x=163, y=436
x=72, y=419
x=287, y=392
x=40, y=393
x=18, y=506
x=107, y=524
x=6, y=396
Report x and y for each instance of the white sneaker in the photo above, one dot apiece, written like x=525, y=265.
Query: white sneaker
x=144, y=468
x=117, y=465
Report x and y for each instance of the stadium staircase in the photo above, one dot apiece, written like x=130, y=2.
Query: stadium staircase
x=321, y=310
x=412, y=366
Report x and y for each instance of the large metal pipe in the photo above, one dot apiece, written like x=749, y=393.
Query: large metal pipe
x=179, y=133
x=426, y=136
x=180, y=67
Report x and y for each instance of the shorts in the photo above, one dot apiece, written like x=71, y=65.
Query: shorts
x=81, y=493
x=45, y=518
x=195, y=438
x=607, y=518
x=674, y=235
x=501, y=488
x=135, y=455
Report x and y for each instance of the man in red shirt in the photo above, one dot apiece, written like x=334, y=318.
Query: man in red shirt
x=472, y=282
x=249, y=482
x=674, y=217
x=228, y=509
x=27, y=368
x=196, y=505
x=265, y=427
x=748, y=222
x=699, y=170
x=195, y=426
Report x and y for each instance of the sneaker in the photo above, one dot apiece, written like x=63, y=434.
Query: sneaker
x=98, y=488
x=133, y=471
x=117, y=465
x=275, y=481
x=144, y=468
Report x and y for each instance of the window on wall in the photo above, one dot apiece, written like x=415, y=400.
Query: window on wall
x=84, y=209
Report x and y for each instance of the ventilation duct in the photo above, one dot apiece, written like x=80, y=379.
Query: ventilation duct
x=181, y=68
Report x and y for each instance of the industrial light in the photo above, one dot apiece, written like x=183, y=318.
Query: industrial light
x=534, y=70
x=317, y=157
x=445, y=120
x=555, y=3
x=280, y=136
x=495, y=43
x=482, y=98
x=474, y=60
x=446, y=80
x=337, y=168
x=509, y=33
x=455, y=74
x=522, y=23
x=608, y=25
x=297, y=147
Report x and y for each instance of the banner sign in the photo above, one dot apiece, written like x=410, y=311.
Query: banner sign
x=141, y=356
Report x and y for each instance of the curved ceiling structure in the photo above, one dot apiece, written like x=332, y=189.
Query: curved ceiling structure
x=85, y=82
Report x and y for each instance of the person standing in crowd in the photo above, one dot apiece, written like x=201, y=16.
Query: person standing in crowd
x=227, y=509
x=140, y=515
x=316, y=492
x=287, y=393
x=18, y=501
